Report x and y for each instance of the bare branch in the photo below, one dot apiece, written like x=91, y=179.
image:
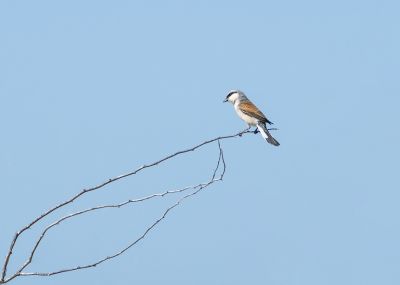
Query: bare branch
x=122, y=204
x=197, y=189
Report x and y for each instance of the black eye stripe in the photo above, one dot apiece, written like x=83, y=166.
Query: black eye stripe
x=230, y=93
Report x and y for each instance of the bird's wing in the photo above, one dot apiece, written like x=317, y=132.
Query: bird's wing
x=251, y=110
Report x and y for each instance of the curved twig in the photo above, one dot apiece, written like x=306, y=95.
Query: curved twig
x=197, y=189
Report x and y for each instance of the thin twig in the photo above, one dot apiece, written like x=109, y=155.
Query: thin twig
x=101, y=185
x=199, y=188
x=122, y=204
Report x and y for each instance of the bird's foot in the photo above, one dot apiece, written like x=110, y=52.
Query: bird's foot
x=256, y=131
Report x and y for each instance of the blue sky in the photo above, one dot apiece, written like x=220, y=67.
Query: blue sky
x=93, y=89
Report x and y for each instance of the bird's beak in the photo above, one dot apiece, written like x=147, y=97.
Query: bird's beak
x=226, y=100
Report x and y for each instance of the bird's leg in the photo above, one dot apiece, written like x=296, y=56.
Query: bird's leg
x=256, y=131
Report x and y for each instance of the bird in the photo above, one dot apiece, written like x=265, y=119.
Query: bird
x=249, y=113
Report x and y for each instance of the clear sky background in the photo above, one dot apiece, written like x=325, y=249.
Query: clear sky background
x=93, y=89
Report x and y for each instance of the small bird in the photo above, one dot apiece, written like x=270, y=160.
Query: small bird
x=249, y=113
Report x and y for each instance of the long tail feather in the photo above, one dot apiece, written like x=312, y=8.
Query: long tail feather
x=266, y=135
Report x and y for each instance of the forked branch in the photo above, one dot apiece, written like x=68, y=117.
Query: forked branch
x=217, y=175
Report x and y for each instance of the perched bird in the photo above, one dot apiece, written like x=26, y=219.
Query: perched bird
x=249, y=113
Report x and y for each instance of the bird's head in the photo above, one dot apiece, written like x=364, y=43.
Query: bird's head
x=232, y=96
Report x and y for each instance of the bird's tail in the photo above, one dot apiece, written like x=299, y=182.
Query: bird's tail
x=266, y=135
